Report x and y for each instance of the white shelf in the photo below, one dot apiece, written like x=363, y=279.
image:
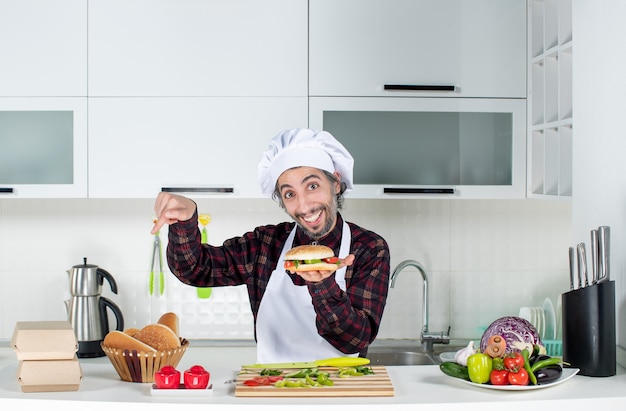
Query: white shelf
x=550, y=98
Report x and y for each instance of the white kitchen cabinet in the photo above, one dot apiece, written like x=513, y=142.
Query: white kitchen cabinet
x=408, y=148
x=550, y=99
x=200, y=146
x=43, y=45
x=478, y=47
x=43, y=147
x=198, y=48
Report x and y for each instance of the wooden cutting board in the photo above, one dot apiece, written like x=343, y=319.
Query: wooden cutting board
x=373, y=385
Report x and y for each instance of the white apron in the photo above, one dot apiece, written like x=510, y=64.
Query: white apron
x=285, y=325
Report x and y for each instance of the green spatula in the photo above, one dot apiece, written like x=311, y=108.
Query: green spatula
x=204, y=219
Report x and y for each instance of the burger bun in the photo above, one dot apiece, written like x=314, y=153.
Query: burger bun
x=122, y=341
x=312, y=252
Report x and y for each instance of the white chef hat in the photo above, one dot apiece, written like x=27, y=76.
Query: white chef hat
x=303, y=148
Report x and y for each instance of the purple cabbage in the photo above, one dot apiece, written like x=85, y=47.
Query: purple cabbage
x=513, y=330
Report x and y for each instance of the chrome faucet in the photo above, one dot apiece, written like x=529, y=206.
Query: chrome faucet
x=427, y=338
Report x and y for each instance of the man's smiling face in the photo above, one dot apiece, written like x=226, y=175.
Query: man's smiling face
x=310, y=198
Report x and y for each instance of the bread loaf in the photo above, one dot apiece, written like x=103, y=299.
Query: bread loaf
x=161, y=336
x=158, y=336
x=131, y=331
x=123, y=341
x=171, y=320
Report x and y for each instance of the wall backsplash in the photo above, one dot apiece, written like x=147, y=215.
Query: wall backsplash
x=485, y=259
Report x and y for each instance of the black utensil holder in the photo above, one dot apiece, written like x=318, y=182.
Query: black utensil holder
x=589, y=340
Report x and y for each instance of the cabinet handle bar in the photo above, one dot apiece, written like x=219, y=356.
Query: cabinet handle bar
x=198, y=189
x=6, y=190
x=421, y=87
x=391, y=190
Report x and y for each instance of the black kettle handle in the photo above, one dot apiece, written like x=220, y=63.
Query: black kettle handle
x=102, y=274
x=104, y=319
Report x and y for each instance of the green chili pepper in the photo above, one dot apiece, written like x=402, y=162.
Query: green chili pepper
x=323, y=378
x=295, y=384
x=531, y=376
x=479, y=367
x=271, y=372
x=544, y=363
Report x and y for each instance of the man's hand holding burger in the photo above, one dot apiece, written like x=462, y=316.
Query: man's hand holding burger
x=314, y=263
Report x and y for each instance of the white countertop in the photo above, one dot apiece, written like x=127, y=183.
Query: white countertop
x=425, y=386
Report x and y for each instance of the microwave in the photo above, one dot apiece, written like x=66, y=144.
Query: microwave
x=410, y=147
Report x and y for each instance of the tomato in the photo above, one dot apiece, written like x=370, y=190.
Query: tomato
x=167, y=377
x=196, y=377
x=499, y=377
x=514, y=362
x=518, y=378
x=331, y=260
x=256, y=381
x=290, y=263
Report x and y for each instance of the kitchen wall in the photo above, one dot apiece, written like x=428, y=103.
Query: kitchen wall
x=485, y=259
x=599, y=197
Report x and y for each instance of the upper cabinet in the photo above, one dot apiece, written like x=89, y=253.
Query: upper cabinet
x=197, y=48
x=184, y=95
x=43, y=147
x=43, y=104
x=454, y=48
x=550, y=99
x=43, y=45
x=429, y=147
x=198, y=146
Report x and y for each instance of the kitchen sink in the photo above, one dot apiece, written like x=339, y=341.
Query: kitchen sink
x=408, y=355
x=400, y=358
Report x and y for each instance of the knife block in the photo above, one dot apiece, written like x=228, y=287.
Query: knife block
x=589, y=340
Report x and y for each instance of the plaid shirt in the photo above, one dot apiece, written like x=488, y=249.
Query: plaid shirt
x=349, y=320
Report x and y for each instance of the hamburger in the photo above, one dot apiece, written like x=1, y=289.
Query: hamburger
x=311, y=258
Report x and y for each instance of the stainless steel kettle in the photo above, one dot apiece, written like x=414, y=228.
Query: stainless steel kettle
x=87, y=309
x=87, y=279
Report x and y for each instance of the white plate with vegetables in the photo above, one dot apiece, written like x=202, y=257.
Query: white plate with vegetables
x=567, y=374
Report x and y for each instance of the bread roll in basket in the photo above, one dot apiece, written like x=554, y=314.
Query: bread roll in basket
x=138, y=356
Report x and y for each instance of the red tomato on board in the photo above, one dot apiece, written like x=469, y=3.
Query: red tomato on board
x=257, y=381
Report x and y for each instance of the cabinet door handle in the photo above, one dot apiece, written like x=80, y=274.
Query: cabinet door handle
x=421, y=87
x=434, y=190
x=6, y=190
x=198, y=189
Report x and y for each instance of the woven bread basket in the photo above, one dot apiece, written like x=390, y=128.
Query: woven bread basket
x=133, y=366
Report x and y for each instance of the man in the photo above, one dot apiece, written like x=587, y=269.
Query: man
x=298, y=316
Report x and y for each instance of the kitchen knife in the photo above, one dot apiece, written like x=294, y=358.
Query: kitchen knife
x=328, y=362
x=594, y=256
x=572, y=264
x=582, y=265
x=604, y=254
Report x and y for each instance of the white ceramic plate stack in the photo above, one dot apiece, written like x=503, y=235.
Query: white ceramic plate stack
x=559, y=318
x=550, y=320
